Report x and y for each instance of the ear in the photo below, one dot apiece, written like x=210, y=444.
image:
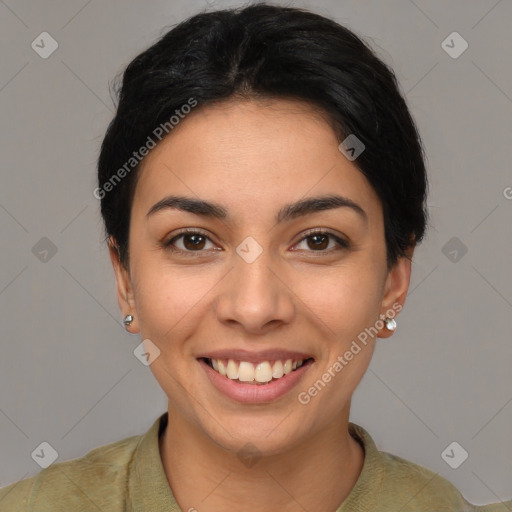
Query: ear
x=125, y=295
x=395, y=290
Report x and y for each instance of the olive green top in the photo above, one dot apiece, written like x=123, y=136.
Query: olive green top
x=129, y=475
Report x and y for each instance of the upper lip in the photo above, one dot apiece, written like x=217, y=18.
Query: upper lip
x=256, y=357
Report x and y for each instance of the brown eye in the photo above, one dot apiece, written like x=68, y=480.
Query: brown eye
x=188, y=241
x=318, y=241
x=193, y=242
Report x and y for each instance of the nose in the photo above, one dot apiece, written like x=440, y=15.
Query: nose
x=255, y=295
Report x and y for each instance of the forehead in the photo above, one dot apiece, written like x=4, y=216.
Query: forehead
x=252, y=154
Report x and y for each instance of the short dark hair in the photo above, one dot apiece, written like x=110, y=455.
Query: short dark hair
x=267, y=51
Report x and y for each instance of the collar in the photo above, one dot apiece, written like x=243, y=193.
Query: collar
x=369, y=483
x=149, y=489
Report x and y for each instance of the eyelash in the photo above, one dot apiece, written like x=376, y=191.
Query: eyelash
x=343, y=244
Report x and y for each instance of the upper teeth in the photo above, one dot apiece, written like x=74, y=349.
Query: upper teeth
x=248, y=372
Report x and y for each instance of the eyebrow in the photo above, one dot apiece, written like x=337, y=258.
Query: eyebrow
x=290, y=211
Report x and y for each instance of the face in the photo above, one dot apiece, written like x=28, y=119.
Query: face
x=258, y=281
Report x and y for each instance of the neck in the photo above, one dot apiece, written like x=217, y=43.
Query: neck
x=317, y=474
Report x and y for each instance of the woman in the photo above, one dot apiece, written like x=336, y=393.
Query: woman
x=263, y=189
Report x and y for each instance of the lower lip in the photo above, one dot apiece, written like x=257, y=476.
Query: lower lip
x=255, y=393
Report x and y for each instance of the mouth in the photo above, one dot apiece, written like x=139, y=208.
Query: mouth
x=261, y=373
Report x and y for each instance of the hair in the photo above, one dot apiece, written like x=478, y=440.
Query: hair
x=266, y=51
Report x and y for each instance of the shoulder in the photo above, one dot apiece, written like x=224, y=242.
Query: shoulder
x=90, y=482
x=399, y=484
x=435, y=491
x=418, y=486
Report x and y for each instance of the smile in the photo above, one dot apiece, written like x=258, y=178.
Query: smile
x=249, y=373
x=254, y=383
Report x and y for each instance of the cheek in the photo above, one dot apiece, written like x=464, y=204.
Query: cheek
x=169, y=299
x=345, y=300
x=344, y=305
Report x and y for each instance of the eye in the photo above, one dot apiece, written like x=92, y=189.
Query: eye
x=320, y=241
x=191, y=241
x=194, y=241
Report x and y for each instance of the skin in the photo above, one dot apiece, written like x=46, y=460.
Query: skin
x=255, y=156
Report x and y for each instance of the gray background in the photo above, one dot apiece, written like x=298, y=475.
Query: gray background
x=67, y=372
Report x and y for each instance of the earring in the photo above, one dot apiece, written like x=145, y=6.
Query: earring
x=390, y=324
x=127, y=320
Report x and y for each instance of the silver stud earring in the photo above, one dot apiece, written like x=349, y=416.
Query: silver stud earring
x=390, y=324
x=127, y=320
